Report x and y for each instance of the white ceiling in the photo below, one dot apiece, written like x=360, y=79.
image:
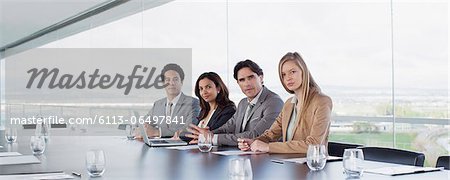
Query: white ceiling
x=20, y=18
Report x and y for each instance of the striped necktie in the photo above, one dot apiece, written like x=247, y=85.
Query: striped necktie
x=247, y=116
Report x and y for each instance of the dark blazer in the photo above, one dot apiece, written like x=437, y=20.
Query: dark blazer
x=221, y=116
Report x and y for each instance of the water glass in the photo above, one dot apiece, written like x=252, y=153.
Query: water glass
x=240, y=168
x=95, y=163
x=37, y=144
x=130, y=131
x=10, y=135
x=43, y=129
x=316, y=157
x=205, y=142
x=353, y=161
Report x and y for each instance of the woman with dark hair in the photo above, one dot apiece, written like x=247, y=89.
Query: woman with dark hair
x=305, y=117
x=216, y=107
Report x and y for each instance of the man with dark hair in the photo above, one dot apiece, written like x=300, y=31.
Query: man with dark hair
x=254, y=114
x=182, y=109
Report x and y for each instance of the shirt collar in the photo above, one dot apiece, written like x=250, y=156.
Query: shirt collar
x=174, y=100
x=255, y=100
x=294, y=100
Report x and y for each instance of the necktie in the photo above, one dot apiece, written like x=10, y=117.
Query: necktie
x=247, y=116
x=169, y=109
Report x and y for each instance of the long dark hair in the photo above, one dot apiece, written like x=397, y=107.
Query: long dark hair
x=222, y=99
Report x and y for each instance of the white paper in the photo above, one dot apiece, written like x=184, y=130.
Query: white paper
x=399, y=170
x=5, y=154
x=237, y=152
x=183, y=147
x=11, y=160
x=36, y=176
x=302, y=160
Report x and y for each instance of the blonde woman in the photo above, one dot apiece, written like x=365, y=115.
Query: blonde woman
x=305, y=117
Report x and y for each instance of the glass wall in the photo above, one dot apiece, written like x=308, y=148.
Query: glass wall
x=383, y=63
x=421, y=78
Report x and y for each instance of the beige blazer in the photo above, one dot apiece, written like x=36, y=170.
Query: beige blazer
x=309, y=130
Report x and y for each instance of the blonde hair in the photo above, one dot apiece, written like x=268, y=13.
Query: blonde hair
x=308, y=86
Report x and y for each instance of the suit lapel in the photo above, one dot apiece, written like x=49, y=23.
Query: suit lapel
x=178, y=105
x=241, y=115
x=258, y=104
x=213, y=117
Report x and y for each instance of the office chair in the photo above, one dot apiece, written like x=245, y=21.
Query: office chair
x=337, y=149
x=396, y=156
x=443, y=161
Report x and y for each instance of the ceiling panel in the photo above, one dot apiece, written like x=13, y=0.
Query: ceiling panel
x=20, y=18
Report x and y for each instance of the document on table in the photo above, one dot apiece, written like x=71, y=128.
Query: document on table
x=237, y=152
x=58, y=175
x=5, y=154
x=401, y=170
x=303, y=160
x=183, y=147
x=12, y=160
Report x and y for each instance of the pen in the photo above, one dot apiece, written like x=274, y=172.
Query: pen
x=76, y=174
x=277, y=161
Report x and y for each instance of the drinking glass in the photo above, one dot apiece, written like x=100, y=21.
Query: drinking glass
x=10, y=135
x=205, y=142
x=37, y=144
x=130, y=131
x=353, y=161
x=95, y=162
x=43, y=129
x=316, y=157
x=240, y=168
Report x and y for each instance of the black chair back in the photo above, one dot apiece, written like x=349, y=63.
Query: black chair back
x=443, y=161
x=396, y=156
x=337, y=149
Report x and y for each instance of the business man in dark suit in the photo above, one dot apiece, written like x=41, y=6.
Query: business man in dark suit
x=255, y=113
x=176, y=105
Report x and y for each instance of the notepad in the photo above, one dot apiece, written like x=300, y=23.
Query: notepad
x=12, y=160
x=401, y=170
x=235, y=153
x=303, y=160
x=60, y=175
x=183, y=147
x=5, y=154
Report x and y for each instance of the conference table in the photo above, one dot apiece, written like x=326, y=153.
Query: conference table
x=132, y=159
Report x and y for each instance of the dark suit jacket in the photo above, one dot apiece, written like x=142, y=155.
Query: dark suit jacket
x=261, y=118
x=221, y=116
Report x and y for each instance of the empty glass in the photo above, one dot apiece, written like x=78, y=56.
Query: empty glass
x=240, y=168
x=205, y=142
x=130, y=131
x=95, y=163
x=43, y=129
x=353, y=161
x=37, y=144
x=11, y=135
x=316, y=157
